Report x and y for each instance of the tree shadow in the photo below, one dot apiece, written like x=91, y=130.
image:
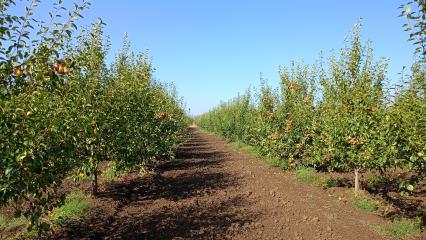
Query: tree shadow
x=197, y=221
x=196, y=144
x=182, y=154
x=406, y=208
x=174, y=188
x=410, y=207
x=167, y=204
x=194, y=222
x=194, y=164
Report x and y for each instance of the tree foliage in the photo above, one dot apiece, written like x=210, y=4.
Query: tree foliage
x=334, y=115
x=62, y=109
x=415, y=13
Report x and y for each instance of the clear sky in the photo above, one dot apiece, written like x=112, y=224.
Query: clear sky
x=212, y=50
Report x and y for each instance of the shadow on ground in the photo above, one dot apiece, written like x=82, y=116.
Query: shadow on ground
x=167, y=204
x=410, y=207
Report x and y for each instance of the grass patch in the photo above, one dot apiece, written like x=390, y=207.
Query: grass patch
x=309, y=175
x=253, y=151
x=306, y=175
x=328, y=182
x=401, y=228
x=109, y=173
x=364, y=202
x=246, y=148
x=278, y=163
x=75, y=207
x=9, y=223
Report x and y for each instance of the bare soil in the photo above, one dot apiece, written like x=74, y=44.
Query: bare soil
x=213, y=191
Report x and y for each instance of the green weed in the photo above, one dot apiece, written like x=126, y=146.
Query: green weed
x=75, y=207
x=401, y=228
x=109, y=173
x=246, y=148
x=278, y=163
x=365, y=202
x=328, y=182
x=9, y=223
x=306, y=175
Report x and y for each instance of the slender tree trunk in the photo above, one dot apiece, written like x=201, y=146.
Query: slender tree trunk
x=95, y=182
x=356, y=179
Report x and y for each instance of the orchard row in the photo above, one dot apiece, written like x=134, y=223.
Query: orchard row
x=338, y=114
x=63, y=110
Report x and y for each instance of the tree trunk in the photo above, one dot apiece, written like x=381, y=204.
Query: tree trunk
x=95, y=182
x=356, y=179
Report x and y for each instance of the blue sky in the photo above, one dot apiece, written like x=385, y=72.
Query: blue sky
x=212, y=50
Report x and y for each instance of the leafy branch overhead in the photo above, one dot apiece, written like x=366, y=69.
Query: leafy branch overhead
x=415, y=13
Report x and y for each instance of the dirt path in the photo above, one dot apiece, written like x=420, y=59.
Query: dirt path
x=215, y=192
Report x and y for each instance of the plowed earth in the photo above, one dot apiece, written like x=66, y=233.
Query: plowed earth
x=212, y=191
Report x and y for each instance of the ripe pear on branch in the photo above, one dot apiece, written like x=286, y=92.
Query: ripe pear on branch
x=60, y=67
